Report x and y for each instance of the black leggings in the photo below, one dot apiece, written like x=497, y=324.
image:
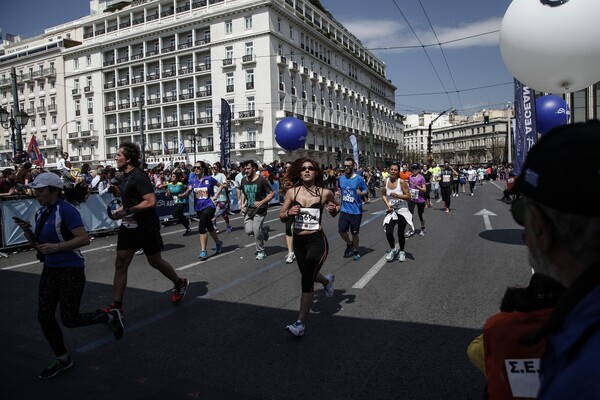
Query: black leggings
x=446, y=192
x=63, y=286
x=178, y=214
x=455, y=186
x=420, y=210
x=205, y=216
x=311, y=252
x=472, y=185
x=389, y=232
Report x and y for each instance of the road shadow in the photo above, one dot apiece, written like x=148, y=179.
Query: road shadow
x=211, y=349
x=506, y=236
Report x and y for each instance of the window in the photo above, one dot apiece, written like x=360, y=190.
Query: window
x=76, y=83
x=77, y=105
x=76, y=63
x=90, y=104
x=78, y=126
x=252, y=134
x=228, y=27
x=52, y=84
x=248, y=22
x=89, y=81
x=88, y=61
x=174, y=115
x=278, y=24
x=229, y=81
x=291, y=32
x=54, y=120
x=250, y=103
x=229, y=52
x=250, y=76
x=188, y=39
x=191, y=113
x=249, y=49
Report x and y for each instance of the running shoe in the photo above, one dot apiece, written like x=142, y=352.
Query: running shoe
x=447, y=210
x=266, y=230
x=228, y=230
x=356, y=256
x=218, y=247
x=296, y=329
x=401, y=256
x=329, y=287
x=409, y=233
x=261, y=255
x=203, y=255
x=108, y=309
x=290, y=258
x=215, y=225
x=187, y=232
x=116, y=325
x=180, y=290
x=140, y=251
x=391, y=255
x=55, y=367
x=349, y=250
x=423, y=232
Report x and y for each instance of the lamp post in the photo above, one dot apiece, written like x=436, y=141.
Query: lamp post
x=192, y=139
x=61, y=134
x=429, y=152
x=16, y=122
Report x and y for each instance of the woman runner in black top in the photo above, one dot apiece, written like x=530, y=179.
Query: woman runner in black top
x=304, y=203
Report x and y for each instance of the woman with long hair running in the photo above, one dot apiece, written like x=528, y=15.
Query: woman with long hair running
x=304, y=203
x=396, y=195
x=178, y=190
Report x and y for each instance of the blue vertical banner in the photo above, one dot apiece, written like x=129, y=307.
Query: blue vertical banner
x=354, y=149
x=525, y=127
x=225, y=134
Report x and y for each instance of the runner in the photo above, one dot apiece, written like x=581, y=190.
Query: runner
x=256, y=194
x=472, y=178
x=204, y=204
x=221, y=205
x=395, y=195
x=304, y=204
x=177, y=189
x=59, y=233
x=289, y=238
x=351, y=187
x=140, y=227
x=417, y=186
x=436, y=176
x=448, y=176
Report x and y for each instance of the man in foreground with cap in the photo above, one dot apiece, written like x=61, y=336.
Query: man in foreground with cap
x=564, y=243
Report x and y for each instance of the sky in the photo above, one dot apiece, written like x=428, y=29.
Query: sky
x=440, y=54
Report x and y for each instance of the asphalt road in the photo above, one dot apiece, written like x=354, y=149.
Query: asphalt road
x=391, y=330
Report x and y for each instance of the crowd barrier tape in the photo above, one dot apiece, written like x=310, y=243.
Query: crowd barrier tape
x=93, y=213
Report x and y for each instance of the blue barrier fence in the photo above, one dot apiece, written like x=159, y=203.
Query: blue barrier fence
x=93, y=213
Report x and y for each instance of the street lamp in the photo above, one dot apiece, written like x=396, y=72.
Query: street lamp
x=192, y=139
x=18, y=121
x=429, y=152
x=61, y=134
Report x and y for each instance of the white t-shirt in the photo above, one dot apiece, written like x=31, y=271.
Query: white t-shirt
x=472, y=175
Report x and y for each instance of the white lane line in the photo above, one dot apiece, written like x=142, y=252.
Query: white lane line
x=498, y=186
x=438, y=200
x=37, y=262
x=224, y=254
x=362, y=282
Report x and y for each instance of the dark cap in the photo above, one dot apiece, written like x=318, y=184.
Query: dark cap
x=543, y=179
x=414, y=166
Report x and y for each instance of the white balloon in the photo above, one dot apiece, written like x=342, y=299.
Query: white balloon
x=554, y=49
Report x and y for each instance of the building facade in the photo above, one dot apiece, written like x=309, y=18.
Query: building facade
x=173, y=61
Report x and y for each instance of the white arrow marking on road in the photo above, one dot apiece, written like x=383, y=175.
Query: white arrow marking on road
x=486, y=218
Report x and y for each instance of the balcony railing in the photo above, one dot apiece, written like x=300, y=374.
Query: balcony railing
x=205, y=120
x=109, y=85
x=203, y=67
x=227, y=62
x=203, y=93
x=205, y=149
x=248, y=145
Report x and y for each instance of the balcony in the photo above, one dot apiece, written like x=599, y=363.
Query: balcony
x=52, y=108
x=73, y=135
x=205, y=149
x=87, y=157
x=125, y=129
x=122, y=59
x=228, y=62
x=168, y=98
x=167, y=13
x=205, y=120
x=186, y=96
x=31, y=111
x=184, y=45
x=138, y=21
x=168, y=49
x=281, y=60
x=304, y=71
x=249, y=85
x=153, y=100
x=204, y=93
x=87, y=89
x=186, y=122
x=152, y=53
x=185, y=70
x=123, y=82
x=170, y=124
x=248, y=58
x=154, y=126
x=109, y=85
x=112, y=28
x=124, y=105
x=110, y=131
x=293, y=66
x=110, y=107
x=168, y=73
x=75, y=92
x=108, y=63
x=203, y=67
x=88, y=35
x=229, y=88
x=41, y=109
x=248, y=145
x=137, y=56
x=137, y=79
x=125, y=24
x=201, y=42
x=152, y=77
x=183, y=8
x=151, y=17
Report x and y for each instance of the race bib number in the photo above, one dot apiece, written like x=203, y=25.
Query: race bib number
x=523, y=376
x=347, y=196
x=201, y=193
x=445, y=178
x=307, y=219
x=128, y=222
x=414, y=194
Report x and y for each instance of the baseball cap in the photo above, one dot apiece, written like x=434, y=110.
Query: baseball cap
x=415, y=166
x=577, y=146
x=46, y=179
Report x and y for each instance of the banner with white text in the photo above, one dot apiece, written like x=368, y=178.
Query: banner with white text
x=525, y=127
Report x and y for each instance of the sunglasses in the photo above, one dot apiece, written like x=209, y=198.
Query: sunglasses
x=348, y=166
x=307, y=168
x=197, y=167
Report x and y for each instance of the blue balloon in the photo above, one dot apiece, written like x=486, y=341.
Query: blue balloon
x=291, y=133
x=551, y=111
